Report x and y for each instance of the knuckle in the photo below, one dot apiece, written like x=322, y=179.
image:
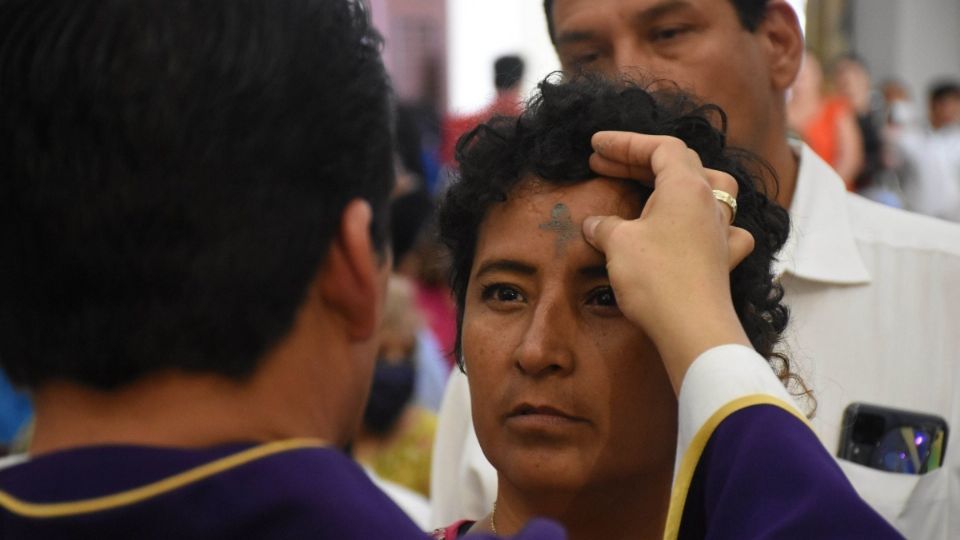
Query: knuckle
x=728, y=182
x=674, y=143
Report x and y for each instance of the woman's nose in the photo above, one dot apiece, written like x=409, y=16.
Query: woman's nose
x=545, y=348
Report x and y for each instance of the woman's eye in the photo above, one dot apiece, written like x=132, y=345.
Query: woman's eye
x=501, y=293
x=602, y=296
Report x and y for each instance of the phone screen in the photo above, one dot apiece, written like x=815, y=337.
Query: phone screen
x=893, y=440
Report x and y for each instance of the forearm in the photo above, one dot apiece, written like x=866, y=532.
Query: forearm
x=683, y=338
x=748, y=464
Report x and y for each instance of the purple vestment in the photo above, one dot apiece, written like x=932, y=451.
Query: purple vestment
x=764, y=474
x=300, y=492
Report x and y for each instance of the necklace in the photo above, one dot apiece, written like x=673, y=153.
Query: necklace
x=493, y=518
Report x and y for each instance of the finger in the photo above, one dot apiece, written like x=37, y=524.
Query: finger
x=639, y=150
x=740, y=244
x=723, y=181
x=614, y=169
x=597, y=230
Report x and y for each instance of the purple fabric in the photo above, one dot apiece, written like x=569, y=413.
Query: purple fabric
x=764, y=474
x=305, y=493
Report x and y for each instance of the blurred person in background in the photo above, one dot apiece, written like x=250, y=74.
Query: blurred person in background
x=16, y=413
x=396, y=438
x=422, y=259
x=418, y=134
x=507, y=78
x=945, y=105
x=411, y=218
x=419, y=257
x=898, y=107
x=851, y=80
x=874, y=292
x=928, y=158
x=827, y=123
x=411, y=213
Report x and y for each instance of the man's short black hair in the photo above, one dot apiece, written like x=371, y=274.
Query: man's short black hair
x=171, y=175
x=507, y=72
x=943, y=90
x=750, y=13
x=550, y=141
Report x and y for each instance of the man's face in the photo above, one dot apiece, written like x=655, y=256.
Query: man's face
x=699, y=44
x=945, y=111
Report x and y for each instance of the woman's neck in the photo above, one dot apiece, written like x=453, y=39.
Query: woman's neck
x=628, y=508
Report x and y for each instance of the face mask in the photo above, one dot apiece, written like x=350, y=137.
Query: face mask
x=391, y=391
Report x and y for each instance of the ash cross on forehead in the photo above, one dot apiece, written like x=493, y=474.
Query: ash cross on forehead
x=561, y=224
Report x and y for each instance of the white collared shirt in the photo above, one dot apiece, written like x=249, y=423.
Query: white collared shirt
x=931, y=178
x=874, y=294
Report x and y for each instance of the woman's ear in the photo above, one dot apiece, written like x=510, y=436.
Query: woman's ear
x=783, y=40
x=353, y=279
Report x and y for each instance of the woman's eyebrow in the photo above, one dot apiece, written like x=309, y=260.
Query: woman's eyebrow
x=506, y=265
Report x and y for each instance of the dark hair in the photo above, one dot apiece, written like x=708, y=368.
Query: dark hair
x=943, y=90
x=750, y=13
x=551, y=141
x=507, y=72
x=173, y=173
x=409, y=143
x=410, y=214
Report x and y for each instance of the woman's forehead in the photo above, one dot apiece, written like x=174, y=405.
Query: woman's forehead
x=539, y=218
x=533, y=199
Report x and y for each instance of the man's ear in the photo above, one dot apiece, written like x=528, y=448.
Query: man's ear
x=783, y=40
x=350, y=278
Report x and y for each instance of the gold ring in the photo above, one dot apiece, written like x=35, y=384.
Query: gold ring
x=728, y=200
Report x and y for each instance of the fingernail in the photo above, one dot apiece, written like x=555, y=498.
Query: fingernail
x=590, y=227
x=597, y=142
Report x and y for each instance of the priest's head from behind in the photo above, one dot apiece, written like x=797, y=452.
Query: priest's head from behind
x=192, y=218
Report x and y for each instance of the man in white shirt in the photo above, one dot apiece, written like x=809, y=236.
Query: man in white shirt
x=874, y=292
x=930, y=158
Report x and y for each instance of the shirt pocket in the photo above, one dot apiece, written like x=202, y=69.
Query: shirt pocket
x=917, y=505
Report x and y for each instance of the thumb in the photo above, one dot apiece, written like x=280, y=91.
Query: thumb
x=598, y=229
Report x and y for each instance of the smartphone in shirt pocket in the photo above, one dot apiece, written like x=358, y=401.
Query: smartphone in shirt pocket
x=893, y=440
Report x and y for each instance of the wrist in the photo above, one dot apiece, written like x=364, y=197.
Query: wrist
x=684, y=338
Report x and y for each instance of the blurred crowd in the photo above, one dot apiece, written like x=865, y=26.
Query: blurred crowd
x=889, y=146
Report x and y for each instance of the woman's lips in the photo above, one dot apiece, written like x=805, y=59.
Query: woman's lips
x=541, y=417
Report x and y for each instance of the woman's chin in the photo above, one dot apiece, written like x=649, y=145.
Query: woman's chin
x=533, y=472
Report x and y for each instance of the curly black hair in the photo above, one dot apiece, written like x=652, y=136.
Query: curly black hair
x=551, y=141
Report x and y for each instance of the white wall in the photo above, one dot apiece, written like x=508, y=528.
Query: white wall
x=478, y=31
x=917, y=41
